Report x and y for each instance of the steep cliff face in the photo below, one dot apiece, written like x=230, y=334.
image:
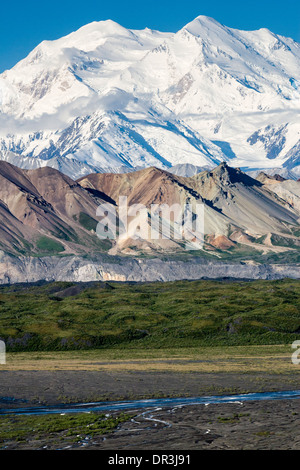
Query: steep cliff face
x=77, y=269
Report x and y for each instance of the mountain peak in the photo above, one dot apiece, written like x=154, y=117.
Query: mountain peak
x=265, y=178
x=201, y=23
x=87, y=38
x=104, y=28
x=108, y=98
x=227, y=175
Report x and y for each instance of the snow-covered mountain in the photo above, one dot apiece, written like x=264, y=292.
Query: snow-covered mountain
x=109, y=99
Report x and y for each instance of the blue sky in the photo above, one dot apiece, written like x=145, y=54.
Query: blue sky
x=24, y=24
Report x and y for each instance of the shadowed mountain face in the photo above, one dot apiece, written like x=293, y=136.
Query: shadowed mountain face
x=44, y=212
x=12, y=232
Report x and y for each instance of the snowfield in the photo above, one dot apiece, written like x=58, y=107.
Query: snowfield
x=109, y=99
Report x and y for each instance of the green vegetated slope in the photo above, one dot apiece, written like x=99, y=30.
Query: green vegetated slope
x=59, y=316
x=47, y=245
x=57, y=429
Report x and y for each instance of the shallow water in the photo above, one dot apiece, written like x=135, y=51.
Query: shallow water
x=151, y=403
